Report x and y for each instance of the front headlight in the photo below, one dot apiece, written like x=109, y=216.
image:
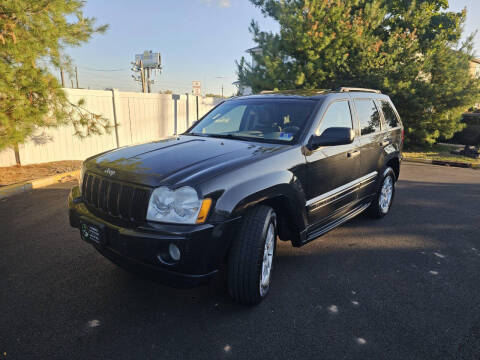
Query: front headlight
x=181, y=206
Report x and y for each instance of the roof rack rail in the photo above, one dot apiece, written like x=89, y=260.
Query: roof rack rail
x=294, y=91
x=350, y=89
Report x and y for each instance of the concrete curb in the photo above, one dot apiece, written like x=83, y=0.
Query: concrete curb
x=10, y=190
x=443, y=163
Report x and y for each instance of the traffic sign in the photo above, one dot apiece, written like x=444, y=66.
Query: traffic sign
x=197, y=88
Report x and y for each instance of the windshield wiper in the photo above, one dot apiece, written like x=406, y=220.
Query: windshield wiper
x=249, y=138
x=232, y=136
x=239, y=137
x=197, y=134
x=220, y=136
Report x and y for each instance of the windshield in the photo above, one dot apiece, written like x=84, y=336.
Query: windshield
x=269, y=120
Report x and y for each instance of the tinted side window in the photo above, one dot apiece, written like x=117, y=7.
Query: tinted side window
x=337, y=115
x=368, y=115
x=391, y=119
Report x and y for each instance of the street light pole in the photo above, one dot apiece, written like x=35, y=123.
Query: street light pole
x=221, y=77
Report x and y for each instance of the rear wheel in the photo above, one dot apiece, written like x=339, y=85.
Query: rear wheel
x=251, y=257
x=383, y=199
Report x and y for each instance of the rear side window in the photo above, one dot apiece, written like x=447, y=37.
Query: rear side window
x=337, y=115
x=368, y=115
x=391, y=119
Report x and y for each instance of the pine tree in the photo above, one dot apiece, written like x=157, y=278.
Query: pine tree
x=33, y=38
x=410, y=50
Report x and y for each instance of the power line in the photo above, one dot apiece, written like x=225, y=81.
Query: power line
x=105, y=78
x=90, y=69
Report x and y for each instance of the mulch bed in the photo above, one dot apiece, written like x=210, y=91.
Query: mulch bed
x=15, y=174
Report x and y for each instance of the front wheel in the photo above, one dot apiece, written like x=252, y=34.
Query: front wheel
x=251, y=257
x=383, y=199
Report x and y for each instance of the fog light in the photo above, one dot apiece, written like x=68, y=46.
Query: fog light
x=174, y=252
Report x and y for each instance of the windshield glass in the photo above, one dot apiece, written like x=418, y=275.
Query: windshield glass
x=272, y=120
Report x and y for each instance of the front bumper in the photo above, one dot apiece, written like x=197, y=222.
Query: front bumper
x=203, y=247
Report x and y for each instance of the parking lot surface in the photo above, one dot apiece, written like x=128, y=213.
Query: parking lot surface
x=404, y=287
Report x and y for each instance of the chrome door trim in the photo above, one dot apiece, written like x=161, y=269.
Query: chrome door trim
x=341, y=191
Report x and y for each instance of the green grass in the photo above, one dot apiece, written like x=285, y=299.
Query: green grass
x=437, y=152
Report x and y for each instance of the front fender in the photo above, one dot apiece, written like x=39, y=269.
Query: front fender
x=282, y=184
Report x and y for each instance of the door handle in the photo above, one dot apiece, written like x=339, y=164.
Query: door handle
x=385, y=143
x=354, y=153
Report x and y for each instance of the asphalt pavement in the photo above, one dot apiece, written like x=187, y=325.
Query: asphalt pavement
x=404, y=287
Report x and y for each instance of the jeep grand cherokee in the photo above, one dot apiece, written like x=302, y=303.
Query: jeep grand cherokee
x=282, y=165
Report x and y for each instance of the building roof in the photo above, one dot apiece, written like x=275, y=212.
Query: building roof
x=256, y=49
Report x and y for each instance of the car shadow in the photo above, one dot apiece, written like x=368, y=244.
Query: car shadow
x=421, y=219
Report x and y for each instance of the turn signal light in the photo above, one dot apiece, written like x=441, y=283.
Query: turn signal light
x=204, y=209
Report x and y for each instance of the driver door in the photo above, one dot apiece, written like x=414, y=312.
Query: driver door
x=332, y=170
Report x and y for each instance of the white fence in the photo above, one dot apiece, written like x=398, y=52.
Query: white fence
x=140, y=118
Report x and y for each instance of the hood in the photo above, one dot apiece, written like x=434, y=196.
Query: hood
x=178, y=160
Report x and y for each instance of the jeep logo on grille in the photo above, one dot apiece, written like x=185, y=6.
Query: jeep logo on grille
x=110, y=172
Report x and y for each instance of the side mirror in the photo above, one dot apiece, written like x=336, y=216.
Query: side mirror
x=332, y=136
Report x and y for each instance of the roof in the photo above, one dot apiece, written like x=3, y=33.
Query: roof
x=307, y=93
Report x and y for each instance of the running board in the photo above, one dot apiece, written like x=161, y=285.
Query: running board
x=326, y=228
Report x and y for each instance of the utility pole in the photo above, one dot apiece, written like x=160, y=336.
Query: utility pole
x=221, y=77
x=142, y=75
x=61, y=75
x=76, y=76
x=145, y=64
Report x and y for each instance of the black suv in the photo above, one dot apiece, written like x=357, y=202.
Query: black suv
x=288, y=165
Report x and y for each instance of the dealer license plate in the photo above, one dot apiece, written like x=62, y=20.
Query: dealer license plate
x=91, y=233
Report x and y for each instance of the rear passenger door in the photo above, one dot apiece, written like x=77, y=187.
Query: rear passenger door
x=392, y=128
x=370, y=143
x=330, y=169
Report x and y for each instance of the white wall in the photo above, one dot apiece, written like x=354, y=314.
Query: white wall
x=7, y=157
x=60, y=143
x=140, y=118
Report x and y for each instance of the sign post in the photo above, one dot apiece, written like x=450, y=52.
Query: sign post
x=175, y=112
x=197, y=88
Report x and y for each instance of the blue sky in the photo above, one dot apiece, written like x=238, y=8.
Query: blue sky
x=198, y=39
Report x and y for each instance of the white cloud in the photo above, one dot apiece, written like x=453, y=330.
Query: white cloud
x=224, y=3
x=220, y=3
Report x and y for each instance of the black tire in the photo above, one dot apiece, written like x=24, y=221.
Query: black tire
x=375, y=210
x=246, y=256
